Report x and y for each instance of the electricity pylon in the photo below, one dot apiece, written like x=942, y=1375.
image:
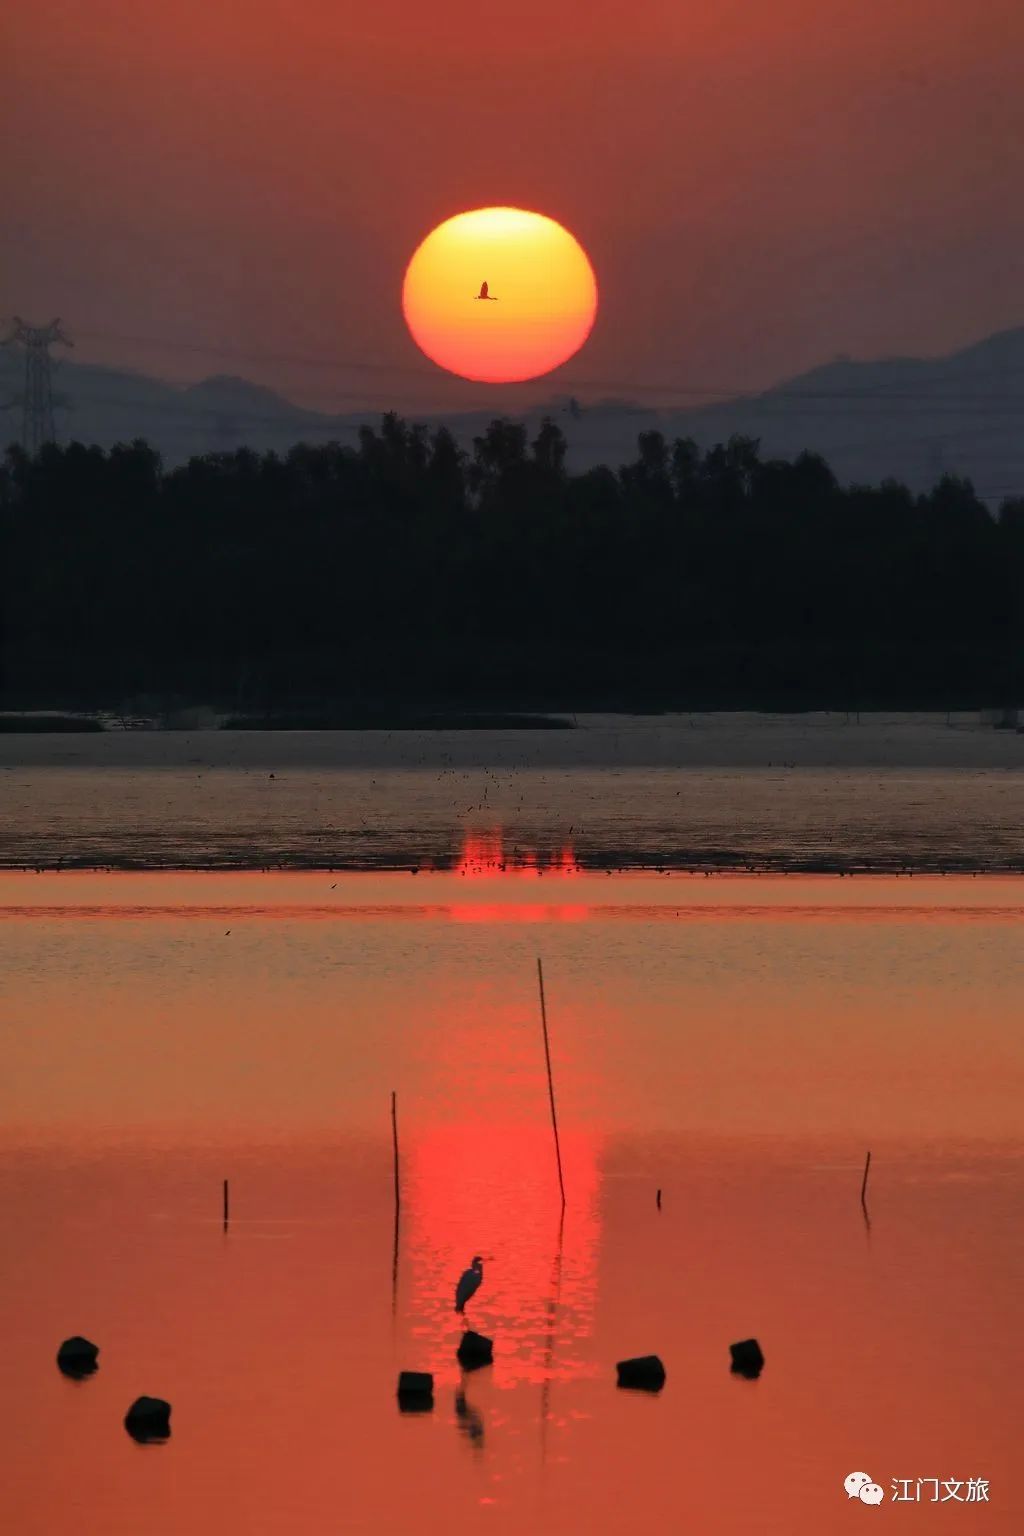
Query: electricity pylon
x=37, y=396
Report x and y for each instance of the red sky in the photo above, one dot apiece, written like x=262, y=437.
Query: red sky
x=759, y=186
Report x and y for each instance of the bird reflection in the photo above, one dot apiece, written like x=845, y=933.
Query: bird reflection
x=470, y=1420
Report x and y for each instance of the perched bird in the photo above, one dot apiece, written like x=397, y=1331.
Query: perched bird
x=469, y=1283
x=483, y=294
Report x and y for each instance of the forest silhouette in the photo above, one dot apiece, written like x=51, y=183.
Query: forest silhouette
x=406, y=574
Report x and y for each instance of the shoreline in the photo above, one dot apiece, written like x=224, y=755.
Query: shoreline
x=696, y=869
x=513, y=875
x=774, y=742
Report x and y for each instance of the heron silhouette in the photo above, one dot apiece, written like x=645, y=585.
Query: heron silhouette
x=469, y=1283
x=483, y=294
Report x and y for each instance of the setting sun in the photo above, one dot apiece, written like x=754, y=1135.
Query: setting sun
x=499, y=295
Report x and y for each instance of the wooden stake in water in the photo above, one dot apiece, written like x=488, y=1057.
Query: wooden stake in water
x=394, y=1143
x=394, y=1246
x=225, y=1205
x=864, y=1182
x=551, y=1084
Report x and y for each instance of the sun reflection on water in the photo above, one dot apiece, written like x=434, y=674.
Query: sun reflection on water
x=489, y=1187
x=485, y=855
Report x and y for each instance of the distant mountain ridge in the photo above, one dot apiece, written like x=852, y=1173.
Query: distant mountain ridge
x=904, y=417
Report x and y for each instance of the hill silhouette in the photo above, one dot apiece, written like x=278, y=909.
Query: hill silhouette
x=912, y=419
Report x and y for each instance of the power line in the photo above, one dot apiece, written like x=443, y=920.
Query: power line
x=780, y=395
x=250, y=355
x=189, y=412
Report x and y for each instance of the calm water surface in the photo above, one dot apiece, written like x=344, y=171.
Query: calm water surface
x=738, y=1042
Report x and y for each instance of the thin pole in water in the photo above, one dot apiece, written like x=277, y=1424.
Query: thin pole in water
x=396, y=1206
x=394, y=1143
x=864, y=1182
x=225, y=1205
x=551, y=1084
x=394, y=1249
x=658, y=1198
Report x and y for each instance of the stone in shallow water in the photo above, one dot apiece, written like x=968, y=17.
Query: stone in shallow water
x=77, y=1356
x=415, y=1391
x=474, y=1350
x=644, y=1371
x=148, y=1418
x=747, y=1359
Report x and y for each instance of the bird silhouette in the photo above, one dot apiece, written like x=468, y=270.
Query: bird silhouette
x=470, y=1282
x=483, y=294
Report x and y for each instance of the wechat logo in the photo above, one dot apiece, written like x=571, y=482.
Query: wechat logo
x=859, y=1486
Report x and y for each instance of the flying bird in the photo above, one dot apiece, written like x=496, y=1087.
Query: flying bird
x=469, y=1283
x=483, y=294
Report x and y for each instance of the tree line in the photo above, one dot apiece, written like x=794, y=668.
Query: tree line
x=408, y=572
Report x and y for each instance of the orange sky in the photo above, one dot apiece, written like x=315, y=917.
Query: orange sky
x=759, y=185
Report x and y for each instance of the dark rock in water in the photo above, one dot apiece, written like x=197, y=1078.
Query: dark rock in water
x=474, y=1350
x=747, y=1359
x=77, y=1357
x=148, y=1418
x=413, y=1383
x=415, y=1391
x=645, y=1372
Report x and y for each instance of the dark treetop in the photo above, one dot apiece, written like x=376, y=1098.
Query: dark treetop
x=409, y=572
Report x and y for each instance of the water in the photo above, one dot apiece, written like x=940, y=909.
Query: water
x=738, y=1042
x=781, y=793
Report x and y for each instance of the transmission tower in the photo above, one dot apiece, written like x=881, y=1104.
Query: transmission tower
x=37, y=400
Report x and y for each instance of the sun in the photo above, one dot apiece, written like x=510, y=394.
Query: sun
x=499, y=295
